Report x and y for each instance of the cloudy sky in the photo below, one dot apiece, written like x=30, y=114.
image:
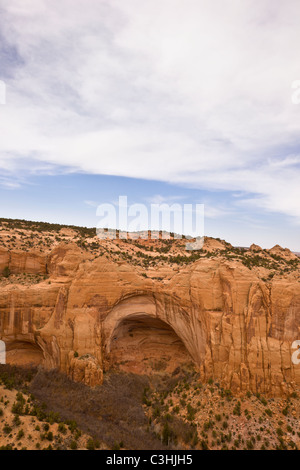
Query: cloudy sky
x=187, y=101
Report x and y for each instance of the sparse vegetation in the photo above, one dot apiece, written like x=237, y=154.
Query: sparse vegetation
x=44, y=409
x=142, y=253
x=171, y=412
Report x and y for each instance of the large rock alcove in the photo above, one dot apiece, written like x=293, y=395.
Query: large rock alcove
x=23, y=353
x=143, y=344
x=144, y=336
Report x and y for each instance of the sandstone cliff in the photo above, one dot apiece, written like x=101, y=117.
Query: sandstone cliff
x=91, y=313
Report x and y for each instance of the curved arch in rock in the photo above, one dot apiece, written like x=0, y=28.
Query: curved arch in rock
x=148, y=327
x=22, y=352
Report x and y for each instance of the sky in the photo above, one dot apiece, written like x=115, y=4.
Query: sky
x=168, y=101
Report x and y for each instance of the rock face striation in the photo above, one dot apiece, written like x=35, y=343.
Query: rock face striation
x=92, y=314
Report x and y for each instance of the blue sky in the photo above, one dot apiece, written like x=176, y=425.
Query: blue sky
x=162, y=101
x=73, y=199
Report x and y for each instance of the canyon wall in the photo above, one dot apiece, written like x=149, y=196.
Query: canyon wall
x=88, y=316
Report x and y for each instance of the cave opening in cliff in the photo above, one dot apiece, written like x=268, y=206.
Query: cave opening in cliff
x=23, y=353
x=145, y=345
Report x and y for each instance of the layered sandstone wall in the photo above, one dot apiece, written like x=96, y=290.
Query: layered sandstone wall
x=19, y=262
x=232, y=325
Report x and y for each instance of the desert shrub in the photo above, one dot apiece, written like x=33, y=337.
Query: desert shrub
x=118, y=403
x=167, y=434
x=13, y=377
x=62, y=428
x=237, y=409
x=73, y=445
x=90, y=445
x=16, y=420
x=17, y=408
x=46, y=427
x=6, y=272
x=279, y=432
x=208, y=425
x=7, y=429
x=203, y=444
x=190, y=412
x=20, y=434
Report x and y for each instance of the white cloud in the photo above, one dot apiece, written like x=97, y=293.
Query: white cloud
x=91, y=203
x=9, y=184
x=159, y=199
x=186, y=92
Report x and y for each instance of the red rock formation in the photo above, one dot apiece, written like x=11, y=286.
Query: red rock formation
x=91, y=315
x=22, y=262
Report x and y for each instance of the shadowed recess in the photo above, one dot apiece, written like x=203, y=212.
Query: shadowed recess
x=23, y=353
x=142, y=344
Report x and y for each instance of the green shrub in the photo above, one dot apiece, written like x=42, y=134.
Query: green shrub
x=62, y=428
x=7, y=429
x=73, y=445
x=6, y=272
x=20, y=434
x=91, y=445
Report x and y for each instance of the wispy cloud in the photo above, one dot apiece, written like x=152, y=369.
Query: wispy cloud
x=91, y=203
x=159, y=199
x=9, y=183
x=164, y=90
